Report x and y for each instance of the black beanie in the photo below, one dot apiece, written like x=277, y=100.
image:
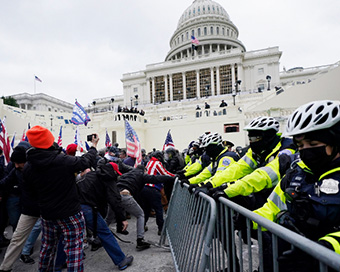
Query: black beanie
x=19, y=154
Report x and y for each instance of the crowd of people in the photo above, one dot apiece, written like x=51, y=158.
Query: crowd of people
x=292, y=179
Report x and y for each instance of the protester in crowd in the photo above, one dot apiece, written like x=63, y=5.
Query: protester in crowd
x=71, y=149
x=50, y=177
x=28, y=220
x=97, y=189
x=122, y=155
x=206, y=105
x=151, y=196
x=173, y=162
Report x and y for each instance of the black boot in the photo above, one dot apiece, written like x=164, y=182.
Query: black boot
x=141, y=244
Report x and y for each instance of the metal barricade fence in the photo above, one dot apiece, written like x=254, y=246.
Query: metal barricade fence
x=202, y=237
x=189, y=227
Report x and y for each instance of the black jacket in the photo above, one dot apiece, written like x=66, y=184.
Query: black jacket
x=49, y=176
x=99, y=188
x=135, y=180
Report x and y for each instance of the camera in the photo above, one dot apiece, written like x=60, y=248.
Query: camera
x=89, y=137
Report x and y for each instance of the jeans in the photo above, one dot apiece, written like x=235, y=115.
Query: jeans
x=32, y=238
x=109, y=242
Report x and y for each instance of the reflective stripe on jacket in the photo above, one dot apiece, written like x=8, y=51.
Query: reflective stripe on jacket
x=223, y=161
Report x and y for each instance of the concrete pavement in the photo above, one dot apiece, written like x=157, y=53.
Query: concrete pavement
x=153, y=259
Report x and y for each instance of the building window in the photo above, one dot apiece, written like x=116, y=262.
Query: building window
x=192, y=32
x=217, y=30
x=190, y=79
x=228, y=32
x=205, y=31
x=203, y=9
x=223, y=32
x=209, y=9
x=211, y=30
x=233, y=127
x=135, y=90
x=199, y=32
x=199, y=9
x=260, y=71
x=193, y=11
x=187, y=35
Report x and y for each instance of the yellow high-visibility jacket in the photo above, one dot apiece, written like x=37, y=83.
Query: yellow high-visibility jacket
x=250, y=177
x=222, y=161
x=198, y=166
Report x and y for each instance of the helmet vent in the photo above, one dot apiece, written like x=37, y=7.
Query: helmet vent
x=307, y=109
x=306, y=122
x=297, y=122
x=322, y=120
x=335, y=112
x=319, y=109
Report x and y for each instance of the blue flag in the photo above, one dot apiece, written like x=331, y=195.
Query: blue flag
x=79, y=116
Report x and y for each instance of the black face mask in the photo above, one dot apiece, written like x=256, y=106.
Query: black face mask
x=316, y=158
x=213, y=150
x=259, y=146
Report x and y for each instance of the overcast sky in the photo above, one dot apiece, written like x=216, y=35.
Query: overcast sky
x=81, y=48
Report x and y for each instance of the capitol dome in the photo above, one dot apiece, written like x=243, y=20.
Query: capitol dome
x=210, y=24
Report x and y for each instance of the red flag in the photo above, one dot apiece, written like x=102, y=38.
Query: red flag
x=4, y=141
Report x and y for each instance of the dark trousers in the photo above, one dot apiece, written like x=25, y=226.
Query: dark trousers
x=151, y=199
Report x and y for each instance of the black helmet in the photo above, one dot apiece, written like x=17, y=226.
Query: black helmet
x=170, y=152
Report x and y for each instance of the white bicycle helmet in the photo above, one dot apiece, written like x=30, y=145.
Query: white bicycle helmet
x=209, y=139
x=263, y=123
x=313, y=116
x=201, y=137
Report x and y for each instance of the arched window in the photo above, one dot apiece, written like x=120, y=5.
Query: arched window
x=199, y=9
x=228, y=32
x=198, y=32
x=192, y=32
x=182, y=38
x=223, y=32
x=187, y=35
x=209, y=9
x=205, y=31
x=193, y=11
x=211, y=31
x=203, y=9
x=217, y=30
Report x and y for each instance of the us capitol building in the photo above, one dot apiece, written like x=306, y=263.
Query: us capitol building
x=217, y=68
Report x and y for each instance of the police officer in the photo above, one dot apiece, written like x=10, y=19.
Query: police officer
x=258, y=170
x=306, y=200
x=219, y=155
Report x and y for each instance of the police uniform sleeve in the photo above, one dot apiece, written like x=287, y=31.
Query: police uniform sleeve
x=262, y=178
x=204, y=175
x=331, y=241
x=276, y=202
x=194, y=168
x=237, y=170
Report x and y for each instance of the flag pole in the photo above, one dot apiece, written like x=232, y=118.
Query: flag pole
x=34, y=84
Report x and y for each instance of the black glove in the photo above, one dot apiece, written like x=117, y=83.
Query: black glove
x=180, y=174
x=240, y=222
x=192, y=187
x=182, y=181
x=202, y=189
x=219, y=194
x=219, y=188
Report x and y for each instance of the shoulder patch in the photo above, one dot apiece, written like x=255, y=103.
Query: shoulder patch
x=225, y=161
x=329, y=186
x=285, y=151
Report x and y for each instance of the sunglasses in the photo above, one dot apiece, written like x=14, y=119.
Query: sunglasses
x=254, y=139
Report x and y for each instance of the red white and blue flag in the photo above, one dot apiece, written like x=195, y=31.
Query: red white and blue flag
x=12, y=144
x=60, y=139
x=4, y=141
x=29, y=127
x=107, y=140
x=133, y=147
x=37, y=79
x=194, y=40
x=168, y=141
x=79, y=116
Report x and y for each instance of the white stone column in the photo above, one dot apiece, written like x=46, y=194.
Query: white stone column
x=198, y=83
x=166, y=87
x=218, y=80
x=233, y=77
x=212, y=83
x=210, y=49
x=148, y=90
x=153, y=91
x=184, y=86
x=171, y=89
x=240, y=74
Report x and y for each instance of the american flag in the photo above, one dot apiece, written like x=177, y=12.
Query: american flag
x=23, y=138
x=133, y=148
x=168, y=141
x=12, y=143
x=77, y=140
x=60, y=140
x=107, y=140
x=37, y=79
x=4, y=141
x=194, y=40
x=79, y=116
